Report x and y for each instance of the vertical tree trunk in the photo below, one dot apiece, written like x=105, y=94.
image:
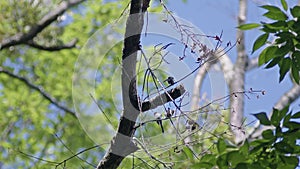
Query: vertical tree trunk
x=238, y=80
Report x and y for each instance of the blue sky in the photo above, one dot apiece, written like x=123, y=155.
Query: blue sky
x=214, y=16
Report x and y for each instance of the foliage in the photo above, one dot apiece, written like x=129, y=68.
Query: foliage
x=277, y=148
x=283, y=50
x=32, y=125
x=28, y=120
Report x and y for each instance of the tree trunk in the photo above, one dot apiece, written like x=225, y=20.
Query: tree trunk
x=238, y=80
x=122, y=144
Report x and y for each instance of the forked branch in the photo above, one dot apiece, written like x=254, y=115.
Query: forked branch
x=122, y=144
x=23, y=38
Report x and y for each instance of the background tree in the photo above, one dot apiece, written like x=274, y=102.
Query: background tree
x=39, y=47
x=38, y=53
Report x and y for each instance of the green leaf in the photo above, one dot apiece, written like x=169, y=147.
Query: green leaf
x=207, y=161
x=262, y=57
x=258, y=145
x=188, y=152
x=297, y=46
x=235, y=157
x=268, y=134
x=243, y=165
x=271, y=8
x=271, y=53
x=295, y=11
x=284, y=4
x=266, y=28
x=295, y=73
x=292, y=125
x=244, y=149
x=287, y=118
x=284, y=68
x=290, y=160
x=210, y=158
x=263, y=118
x=285, y=49
x=248, y=26
x=221, y=146
x=296, y=59
x=295, y=25
x=296, y=115
x=284, y=147
x=285, y=35
x=260, y=41
x=202, y=165
x=274, y=62
x=278, y=115
x=274, y=13
x=276, y=16
x=277, y=26
x=267, y=54
x=222, y=161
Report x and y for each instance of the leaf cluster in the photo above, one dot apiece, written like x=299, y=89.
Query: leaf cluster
x=284, y=49
x=277, y=148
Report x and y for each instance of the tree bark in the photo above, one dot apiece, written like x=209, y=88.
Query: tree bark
x=122, y=144
x=238, y=80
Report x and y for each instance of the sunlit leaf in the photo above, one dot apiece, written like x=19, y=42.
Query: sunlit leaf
x=284, y=4
x=274, y=13
x=221, y=145
x=248, y=26
x=260, y=41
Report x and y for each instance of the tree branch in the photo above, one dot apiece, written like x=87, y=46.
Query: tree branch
x=286, y=99
x=122, y=144
x=159, y=100
x=226, y=66
x=23, y=38
x=252, y=63
x=69, y=45
x=198, y=81
x=40, y=90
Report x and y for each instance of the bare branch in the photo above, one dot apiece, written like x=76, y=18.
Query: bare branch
x=198, y=81
x=40, y=90
x=69, y=45
x=23, y=38
x=159, y=100
x=252, y=63
x=286, y=99
x=226, y=66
